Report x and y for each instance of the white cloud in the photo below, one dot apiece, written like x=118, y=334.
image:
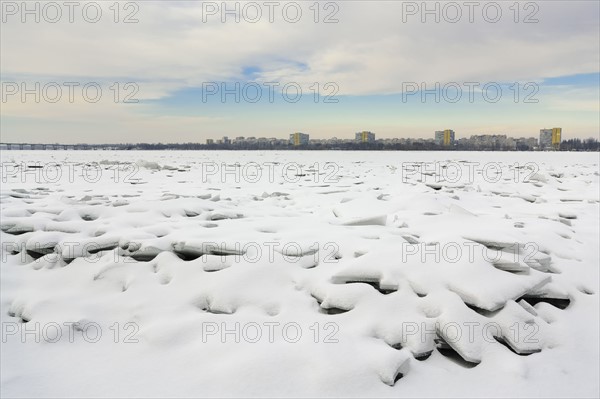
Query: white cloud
x=369, y=51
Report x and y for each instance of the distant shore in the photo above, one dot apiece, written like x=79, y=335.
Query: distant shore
x=565, y=146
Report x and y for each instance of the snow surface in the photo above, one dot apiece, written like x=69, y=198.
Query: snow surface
x=393, y=275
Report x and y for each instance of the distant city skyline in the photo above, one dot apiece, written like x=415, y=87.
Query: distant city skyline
x=549, y=140
x=445, y=136
x=545, y=139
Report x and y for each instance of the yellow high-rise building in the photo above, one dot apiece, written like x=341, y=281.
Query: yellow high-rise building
x=297, y=139
x=448, y=136
x=556, y=137
x=364, y=137
x=550, y=138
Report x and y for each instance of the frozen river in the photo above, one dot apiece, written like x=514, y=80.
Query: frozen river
x=299, y=273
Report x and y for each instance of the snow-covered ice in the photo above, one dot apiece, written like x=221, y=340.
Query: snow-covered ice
x=400, y=274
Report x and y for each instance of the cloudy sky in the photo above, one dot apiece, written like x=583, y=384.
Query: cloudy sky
x=179, y=71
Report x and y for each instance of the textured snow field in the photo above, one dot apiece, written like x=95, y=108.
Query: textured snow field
x=396, y=274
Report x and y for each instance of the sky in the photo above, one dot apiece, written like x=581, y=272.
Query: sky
x=187, y=71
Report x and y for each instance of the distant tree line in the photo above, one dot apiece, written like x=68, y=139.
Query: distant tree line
x=580, y=145
x=590, y=144
x=567, y=145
